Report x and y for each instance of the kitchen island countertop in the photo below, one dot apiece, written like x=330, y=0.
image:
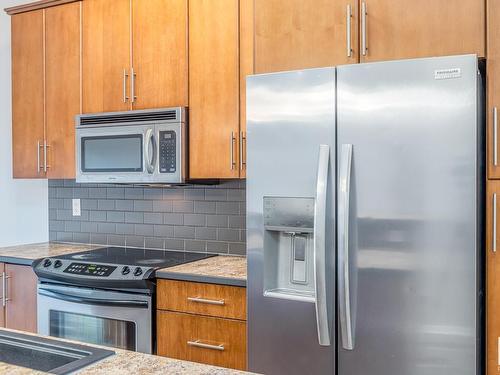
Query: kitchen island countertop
x=126, y=362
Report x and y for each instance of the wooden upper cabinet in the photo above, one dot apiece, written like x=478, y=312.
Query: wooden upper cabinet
x=493, y=90
x=27, y=94
x=298, y=34
x=106, y=55
x=160, y=53
x=213, y=88
x=21, y=309
x=62, y=87
x=247, y=12
x=409, y=29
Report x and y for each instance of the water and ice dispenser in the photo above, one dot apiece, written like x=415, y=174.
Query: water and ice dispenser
x=288, y=248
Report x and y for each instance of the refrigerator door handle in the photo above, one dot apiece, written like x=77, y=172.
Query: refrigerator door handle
x=319, y=246
x=343, y=247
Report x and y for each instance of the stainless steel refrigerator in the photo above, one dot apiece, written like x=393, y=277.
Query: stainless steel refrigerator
x=364, y=217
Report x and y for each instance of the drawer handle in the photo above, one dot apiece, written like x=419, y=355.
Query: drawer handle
x=199, y=344
x=219, y=302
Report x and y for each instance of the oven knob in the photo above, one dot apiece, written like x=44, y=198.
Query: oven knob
x=57, y=264
x=47, y=262
x=125, y=270
x=138, y=271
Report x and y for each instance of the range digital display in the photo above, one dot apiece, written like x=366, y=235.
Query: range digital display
x=90, y=269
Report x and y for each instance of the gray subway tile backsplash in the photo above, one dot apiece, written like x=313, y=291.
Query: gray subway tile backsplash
x=202, y=218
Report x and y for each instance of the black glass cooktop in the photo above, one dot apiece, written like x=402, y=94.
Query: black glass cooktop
x=136, y=257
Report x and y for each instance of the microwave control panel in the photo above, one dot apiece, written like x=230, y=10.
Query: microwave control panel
x=168, y=151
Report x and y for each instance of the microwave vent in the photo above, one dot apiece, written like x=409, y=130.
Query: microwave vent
x=173, y=115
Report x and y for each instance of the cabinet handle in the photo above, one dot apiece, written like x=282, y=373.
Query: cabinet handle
x=243, y=141
x=495, y=136
x=348, y=30
x=45, y=164
x=38, y=168
x=200, y=344
x=232, y=142
x=132, y=84
x=125, y=75
x=4, y=289
x=364, y=13
x=494, y=231
x=219, y=302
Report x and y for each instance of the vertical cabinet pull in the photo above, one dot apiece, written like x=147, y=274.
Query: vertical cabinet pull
x=132, y=85
x=495, y=136
x=125, y=76
x=38, y=167
x=243, y=141
x=364, y=13
x=45, y=165
x=494, y=231
x=232, y=142
x=348, y=30
x=5, y=298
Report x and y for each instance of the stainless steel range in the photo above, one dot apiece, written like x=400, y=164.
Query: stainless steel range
x=103, y=296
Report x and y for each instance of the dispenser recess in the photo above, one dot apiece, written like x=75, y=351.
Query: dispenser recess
x=288, y=248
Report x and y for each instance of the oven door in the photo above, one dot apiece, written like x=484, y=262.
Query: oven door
x=116, y=319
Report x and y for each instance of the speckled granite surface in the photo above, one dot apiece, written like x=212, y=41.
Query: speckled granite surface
x=26, y=254
x=125, y=362
x=228, y=270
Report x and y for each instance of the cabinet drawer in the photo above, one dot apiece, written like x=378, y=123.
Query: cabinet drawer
x=205, y=299
x=213, y=341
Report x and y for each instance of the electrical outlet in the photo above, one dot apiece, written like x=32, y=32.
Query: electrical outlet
x=76, y=207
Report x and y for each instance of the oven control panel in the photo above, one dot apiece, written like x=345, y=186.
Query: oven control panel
x=90, y=269
x=83, y=270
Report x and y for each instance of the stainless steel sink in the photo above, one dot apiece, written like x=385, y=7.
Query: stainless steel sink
x=49, y=355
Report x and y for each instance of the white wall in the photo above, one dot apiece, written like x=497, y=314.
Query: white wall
x=23, y=203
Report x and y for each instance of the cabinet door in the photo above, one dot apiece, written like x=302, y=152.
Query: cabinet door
x=160, y=53
x=213, y=341
x=27, y=94
x=20, y=310
x=213, y=88
x=2, y=310
x=493, y=277
x=246, y=68
x=407, y=28
x=297, y=34
x=106, y=55
x=493, y=90
x=62, y=87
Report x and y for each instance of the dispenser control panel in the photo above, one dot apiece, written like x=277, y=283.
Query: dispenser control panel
x=289, y=214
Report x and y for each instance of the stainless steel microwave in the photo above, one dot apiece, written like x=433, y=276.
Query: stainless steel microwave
x=147, y=146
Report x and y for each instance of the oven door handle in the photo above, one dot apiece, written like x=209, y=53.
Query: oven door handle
x=92, y=301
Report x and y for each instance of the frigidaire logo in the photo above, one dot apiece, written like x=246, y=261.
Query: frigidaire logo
x=447, y=73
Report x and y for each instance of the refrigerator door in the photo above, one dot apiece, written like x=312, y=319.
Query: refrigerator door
x=290, y=222
x=408, y=210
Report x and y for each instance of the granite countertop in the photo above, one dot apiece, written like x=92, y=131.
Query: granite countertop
x=26, y=254
x=227, y=270
x=127, y=362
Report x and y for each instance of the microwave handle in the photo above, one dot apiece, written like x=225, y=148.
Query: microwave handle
x=149, y=159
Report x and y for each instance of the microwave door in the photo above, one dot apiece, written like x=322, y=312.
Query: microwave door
x=115, y=154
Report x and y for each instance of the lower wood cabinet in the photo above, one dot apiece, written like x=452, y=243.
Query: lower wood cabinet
x=493, y=276
x=214, y=341
x=19, y=309
x=202, y=322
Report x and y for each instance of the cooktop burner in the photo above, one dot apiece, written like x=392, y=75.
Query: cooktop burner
x=137, y=257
